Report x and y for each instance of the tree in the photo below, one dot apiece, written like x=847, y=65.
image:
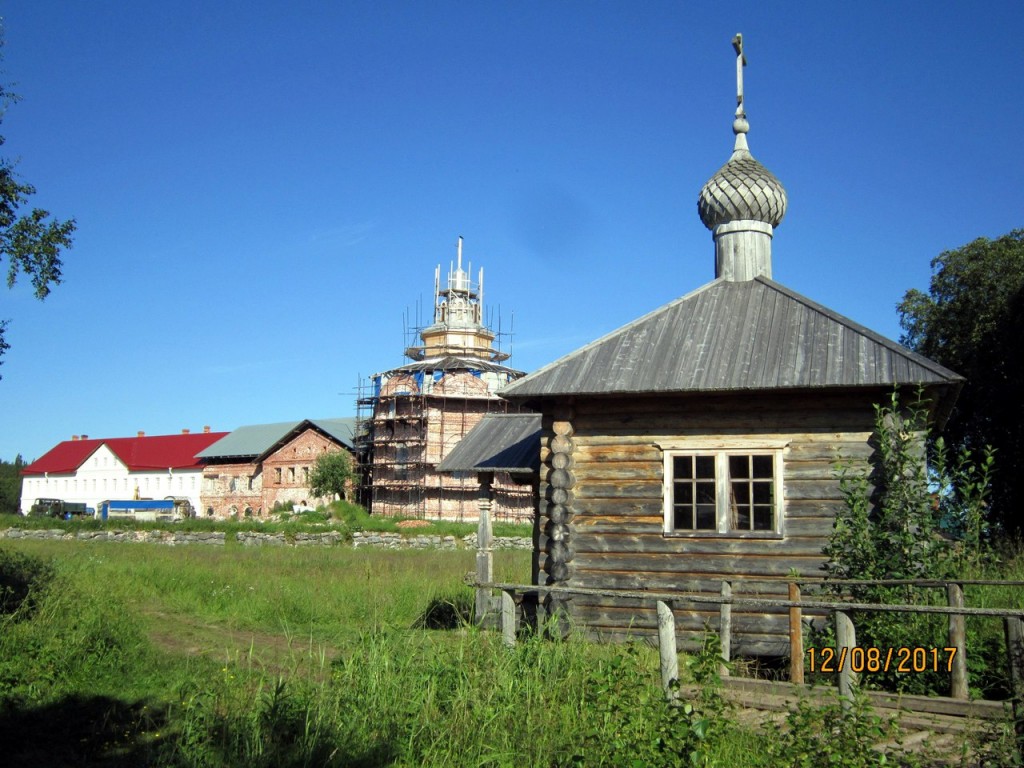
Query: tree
x=898, y=521
x=10, y=485
x=31, y=242
x=332, y=474
x=972, y=321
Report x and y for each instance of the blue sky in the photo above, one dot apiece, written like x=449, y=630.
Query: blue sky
x=262, y=189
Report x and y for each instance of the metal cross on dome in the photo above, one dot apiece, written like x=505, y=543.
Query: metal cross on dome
x=741, y=62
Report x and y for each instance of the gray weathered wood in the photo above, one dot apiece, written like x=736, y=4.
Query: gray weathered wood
x=725, y=627
x=958, y=640
x=508, y=620
x=1014, y=627
x=846, y=639
x=796, y=637
x=484, y=553
x=667, y=647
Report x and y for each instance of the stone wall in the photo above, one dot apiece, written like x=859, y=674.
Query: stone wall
x=258, y=538
x=171, y=538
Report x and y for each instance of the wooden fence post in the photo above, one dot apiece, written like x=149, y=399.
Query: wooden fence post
x=725, y=628
x=1014, y=628
x=508, y=620
x=796, y=637
x=484, y=553
x=667, y=647
x=846, y=639
x=958, y=640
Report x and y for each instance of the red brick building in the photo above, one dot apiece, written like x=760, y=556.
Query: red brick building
x=260, y=467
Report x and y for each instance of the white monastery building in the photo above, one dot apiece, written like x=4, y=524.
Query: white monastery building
x=89, y=471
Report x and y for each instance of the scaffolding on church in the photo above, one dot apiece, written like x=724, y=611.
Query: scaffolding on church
x=410, y=417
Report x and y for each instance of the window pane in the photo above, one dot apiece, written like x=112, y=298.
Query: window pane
x=763, y=466
x=739, y=467
x=683, y=518
x=684, y=493
x=706, y=517
x=762, y=493
x=741, y=493
x=763, y=517
x=706, y=493
x=682, y=467
x=742, y=518
x=705, y=467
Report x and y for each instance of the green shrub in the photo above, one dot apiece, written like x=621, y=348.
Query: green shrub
x=22, y=579
x=832, y=734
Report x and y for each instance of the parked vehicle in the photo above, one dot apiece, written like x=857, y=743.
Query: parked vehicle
x=147, y=510
x=63, y=510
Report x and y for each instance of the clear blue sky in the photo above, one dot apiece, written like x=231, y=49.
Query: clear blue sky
x=263, y=188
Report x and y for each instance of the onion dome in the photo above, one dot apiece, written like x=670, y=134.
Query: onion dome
x=742, y=189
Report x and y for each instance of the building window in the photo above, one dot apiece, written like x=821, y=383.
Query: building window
x=291, y=475
x=277, y=474
x=723, y=492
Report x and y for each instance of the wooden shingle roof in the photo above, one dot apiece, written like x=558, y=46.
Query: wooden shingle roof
x=733, y=336
x=501, y=442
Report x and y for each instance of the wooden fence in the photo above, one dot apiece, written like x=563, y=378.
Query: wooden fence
x=848, y=660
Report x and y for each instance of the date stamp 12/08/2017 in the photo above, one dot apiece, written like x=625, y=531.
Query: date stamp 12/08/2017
x=860, y=659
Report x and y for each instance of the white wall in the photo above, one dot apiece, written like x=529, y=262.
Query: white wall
x=103, y=476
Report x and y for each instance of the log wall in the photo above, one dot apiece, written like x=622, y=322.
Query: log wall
x=602, y=508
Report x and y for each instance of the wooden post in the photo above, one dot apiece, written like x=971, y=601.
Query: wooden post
x=725, y=628
x=846, y=639
x=484, y=553
x=667, y=647
x=1014, y=628
x=958, y=640
x=796, y=637
x=508, y=620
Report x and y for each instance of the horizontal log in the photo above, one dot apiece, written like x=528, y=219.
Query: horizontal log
x=854, y=446
x=620, y=507
x=814, y=507
x=809, y=470
x=692, y=583
x=619, y=490
x=588, y=523
x=764, y=403
x=613, y=471
x=723, y=565
x=811, y=489
x=821, y=509
x=688, y=643
x=641, y=546
x=662, y=433
x=660, y=422
x=610, y=615
x=603, y=453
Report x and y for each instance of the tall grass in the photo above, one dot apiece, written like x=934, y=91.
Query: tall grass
x=148, y=655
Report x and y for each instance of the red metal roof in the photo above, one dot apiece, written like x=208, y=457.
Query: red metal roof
x=137, y=453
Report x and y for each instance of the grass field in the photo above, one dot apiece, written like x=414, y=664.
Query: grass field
x=192, y=656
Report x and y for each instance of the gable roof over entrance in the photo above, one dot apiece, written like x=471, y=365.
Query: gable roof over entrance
x=733, y=336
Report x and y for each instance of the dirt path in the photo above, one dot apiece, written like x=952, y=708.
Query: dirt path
x=274, y=653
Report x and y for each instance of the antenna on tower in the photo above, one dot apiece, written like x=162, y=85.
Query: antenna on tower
x=460, y=252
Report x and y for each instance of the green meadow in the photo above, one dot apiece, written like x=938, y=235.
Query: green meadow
x=138, y=654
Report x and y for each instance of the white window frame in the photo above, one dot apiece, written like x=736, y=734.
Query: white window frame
x=722, y=492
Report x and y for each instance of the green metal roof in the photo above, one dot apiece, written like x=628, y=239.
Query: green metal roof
x=257, y=440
